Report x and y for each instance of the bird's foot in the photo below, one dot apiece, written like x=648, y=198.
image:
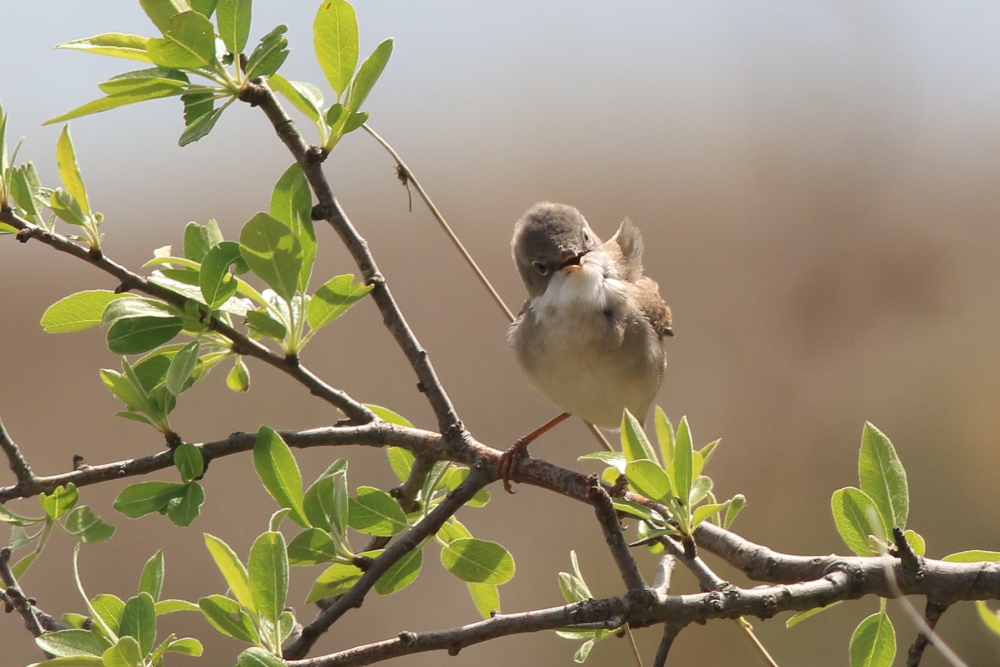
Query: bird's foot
x=507, y=466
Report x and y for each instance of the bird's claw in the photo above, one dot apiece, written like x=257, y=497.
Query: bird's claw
x=507, y=465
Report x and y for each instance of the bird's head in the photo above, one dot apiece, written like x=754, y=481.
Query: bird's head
x=550, y=238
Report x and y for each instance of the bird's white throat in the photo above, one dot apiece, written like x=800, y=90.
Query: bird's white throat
x=586, y=289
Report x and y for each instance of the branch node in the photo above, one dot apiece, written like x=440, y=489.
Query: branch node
x=362, y=562
x=95, y=254
x=454, y=650
x=406, y=638
x=122, y=288
x=173, y=440
x=911, y=562
x=292, y=360
x=319, y=212
x=315, y=155
x=23, y=235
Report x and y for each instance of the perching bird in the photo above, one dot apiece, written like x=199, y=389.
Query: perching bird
x=590, y=335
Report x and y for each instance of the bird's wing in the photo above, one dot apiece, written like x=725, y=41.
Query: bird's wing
x=653, y=307
x=625, y=248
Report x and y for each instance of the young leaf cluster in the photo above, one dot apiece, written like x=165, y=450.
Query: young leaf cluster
x=670, y=476
x=575, y=589
x=335, y=38
x=116, y=632
x=60, y=509
x=180, y=501
x=200, y=62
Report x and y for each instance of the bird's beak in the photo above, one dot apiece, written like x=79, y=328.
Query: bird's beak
x=572, y=262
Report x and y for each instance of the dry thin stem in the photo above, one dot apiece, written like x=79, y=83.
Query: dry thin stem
x=670, y=632
x=14, y=597
x=410, y=178
x=22, y=471
x=615, y=539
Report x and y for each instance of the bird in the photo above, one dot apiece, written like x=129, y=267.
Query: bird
x=590, y=334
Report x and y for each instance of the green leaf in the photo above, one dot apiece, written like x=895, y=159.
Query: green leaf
x=79, y=661
x=69, y=643
x=145, y=497
x=336, y=579
x=700, y=488
x=269, y=55
x=401, y=460
x=114, y=44
x=189, y=461
x=258, y=657
x=735, y=506
x=199, y=240
x=67, y=208
x=486, y=597
x=682, y=470
x=124, y=390
x=161, y=11
x=916, y=542
x=186, y=507
x=60, y=501
x=311, y=547
x=635, y=445
x=584, y=651
x=9, y=517
x=262, y=324
x=882, y=477
x=226, y=616
x=139, y=621
x=478, y=561
x=84, y=526
x=200, y=127
x=664, y=436
x=402, y=573
x=151, y=580
x=232, y=570
x=706, y=511
x=988, y=616
x=615, y=460
x=335, y=37
x=136, y=335
x=171, y=606
x=375, y=512
x=268, y=570
x=334, y=298
x=69, y=170
x=216, y=281
x=974, y=556
x=354, y=121
x=853, y=511
x=326, y=501
x=388, y=415
x=273, y=253
x=26, y=187
x=186, y=646
x=306, y=97
x=279, y=473
x=153, y=91
x=238, y=378
x=110, y=609
x=181, y=367
x=128, y=82
x=291, y=203
x=368, y=74
x=77, y=311
x=647, y=478
x=233, y=17
x=189, y=43
x=204, y=7
x=873, y=643
x=803, y=615
x=125, y=653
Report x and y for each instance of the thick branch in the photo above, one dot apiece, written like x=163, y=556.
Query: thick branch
x=310, y=159
x=410, y=541
x=242, y=344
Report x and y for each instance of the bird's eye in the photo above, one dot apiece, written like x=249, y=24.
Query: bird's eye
x=542, y=269
x=586, y=237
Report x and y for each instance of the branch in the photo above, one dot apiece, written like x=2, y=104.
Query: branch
x=614, y=538
x=310, y=159
x=413, y=539
x=933, y=615
x=670, y=632
x=22, y=471
x=36, y=621
x=242, y=344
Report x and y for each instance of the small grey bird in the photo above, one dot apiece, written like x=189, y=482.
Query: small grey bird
x=590, y=335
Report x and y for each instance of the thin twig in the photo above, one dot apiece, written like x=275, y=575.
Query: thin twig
x=670, y=632
x=615, y=539
x=242, y=344
x=933, y=614
x=441, y=221
x=16, y=598
x=413, y=539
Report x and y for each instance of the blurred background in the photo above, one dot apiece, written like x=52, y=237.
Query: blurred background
x=817, y=184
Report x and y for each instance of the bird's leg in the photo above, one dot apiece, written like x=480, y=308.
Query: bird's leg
x=519, y=450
